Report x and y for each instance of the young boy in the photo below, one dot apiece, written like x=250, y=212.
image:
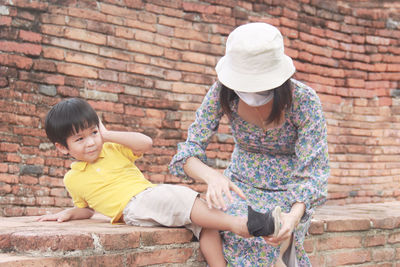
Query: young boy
x=105, y=179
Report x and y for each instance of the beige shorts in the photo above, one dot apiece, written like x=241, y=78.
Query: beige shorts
x=163, y=205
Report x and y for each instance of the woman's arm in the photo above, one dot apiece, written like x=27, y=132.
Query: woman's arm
x=311, y=171
x=309, y=181
x=218, y=184
x=190, y=158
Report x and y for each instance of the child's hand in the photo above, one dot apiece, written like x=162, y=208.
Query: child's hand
x=59, y=217
x=102, y=129
x=137, y=142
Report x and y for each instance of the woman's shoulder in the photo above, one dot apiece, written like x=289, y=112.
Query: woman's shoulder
x=303, y=92
x=215, y=87
x=212, y=95
x=300, y=88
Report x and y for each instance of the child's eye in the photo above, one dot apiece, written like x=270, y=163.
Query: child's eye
x=79, y=139
x=95, y=132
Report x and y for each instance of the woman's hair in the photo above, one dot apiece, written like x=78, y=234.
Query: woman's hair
x=67, y=118
x=282, y=100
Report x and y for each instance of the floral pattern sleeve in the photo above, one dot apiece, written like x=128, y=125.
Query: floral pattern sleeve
x=309, y=179
x=200, y=131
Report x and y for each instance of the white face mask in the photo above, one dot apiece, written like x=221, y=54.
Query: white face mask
x=256, y=99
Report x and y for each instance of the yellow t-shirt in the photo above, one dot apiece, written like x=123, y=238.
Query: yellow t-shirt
x=109, y=183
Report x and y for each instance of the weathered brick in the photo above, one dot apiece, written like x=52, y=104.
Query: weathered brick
x=44, y=65
x=5, y=20
x=135, y=111
x=87, y=36
x=77, y=70
x=30, y=36
x=387, y=223
x=49, y=90
x=31, y=5
x=63, y=202
x=67, y=91
x=43, y=77
x=383, y=254
x=40, y=241
x=374, y=240
x=51, y=182
x=85, y=59
x=54, y=53
x=86, y=13
x=339, y=242
x=160, y=257
x=44, y=201
x=113, y=241
x=16, y=61
x=164, y=236
x=394, y=238
x=98, y=95
x=316, y=227
x=348, y=257
x=317, y=260
x=24, y=48
x=343, y=225
x=102, y=260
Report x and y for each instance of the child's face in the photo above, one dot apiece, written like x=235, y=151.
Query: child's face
x=85, y=145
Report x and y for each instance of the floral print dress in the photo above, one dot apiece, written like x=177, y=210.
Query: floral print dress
x=277, y=167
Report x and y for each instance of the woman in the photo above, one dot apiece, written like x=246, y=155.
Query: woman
x=280, y=156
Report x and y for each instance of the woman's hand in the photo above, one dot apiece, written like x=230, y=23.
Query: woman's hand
x=218, y=186
x=289, y=222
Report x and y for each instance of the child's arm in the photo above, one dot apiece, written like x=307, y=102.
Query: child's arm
x=137, y=142
x=67, y=215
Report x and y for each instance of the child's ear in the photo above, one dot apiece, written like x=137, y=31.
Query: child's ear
x=61, y=148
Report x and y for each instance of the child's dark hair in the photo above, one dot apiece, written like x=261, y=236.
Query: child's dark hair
x=67, y=118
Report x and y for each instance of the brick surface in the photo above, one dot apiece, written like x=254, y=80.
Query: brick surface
x=98, y=243
x=160, y=257
x=163, y=236
x=138, y=62
x=339, y=242
x=54, y=241
x=23, y=48
x=115, y=241
x=348, y=258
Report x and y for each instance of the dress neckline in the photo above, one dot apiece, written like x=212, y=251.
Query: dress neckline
x=235, y=109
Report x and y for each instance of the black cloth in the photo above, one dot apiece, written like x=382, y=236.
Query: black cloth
x=260, y=224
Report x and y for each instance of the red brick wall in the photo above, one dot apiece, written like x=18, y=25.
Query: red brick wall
x=145, y=66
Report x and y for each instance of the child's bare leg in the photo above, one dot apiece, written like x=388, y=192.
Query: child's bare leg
x=211, y=247
x=218, y=220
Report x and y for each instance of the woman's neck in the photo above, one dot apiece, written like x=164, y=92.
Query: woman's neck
x=258, y=115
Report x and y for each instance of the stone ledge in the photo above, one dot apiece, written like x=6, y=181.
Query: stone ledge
x=367, y=234
x=93, y=242
x=356, y=217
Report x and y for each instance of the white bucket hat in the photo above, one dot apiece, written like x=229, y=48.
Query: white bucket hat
x=254, y=59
